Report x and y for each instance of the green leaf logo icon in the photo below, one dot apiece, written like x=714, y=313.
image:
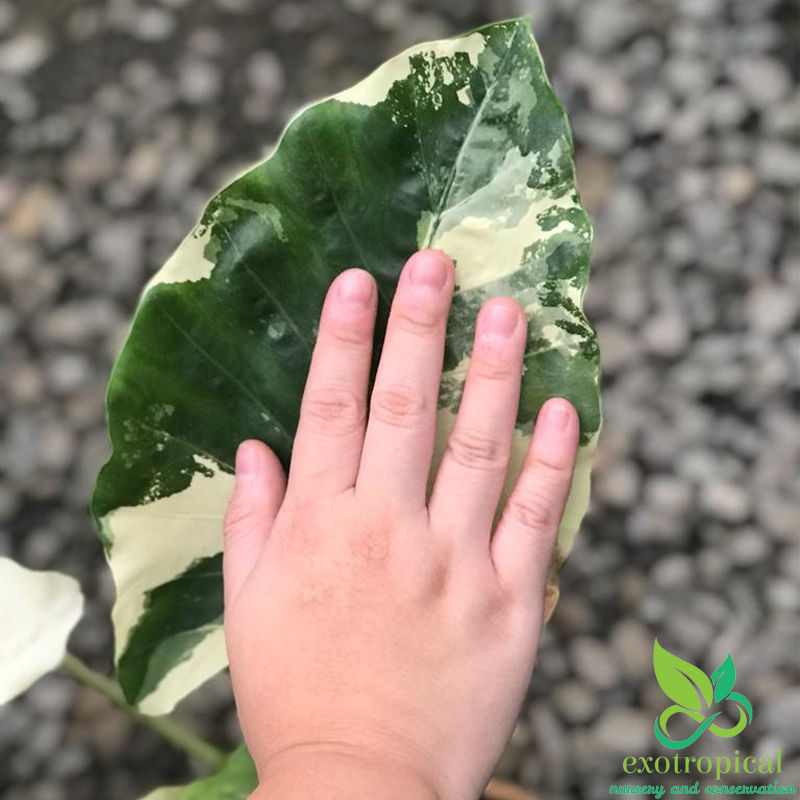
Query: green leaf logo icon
x=724, y=676
x=695, y=694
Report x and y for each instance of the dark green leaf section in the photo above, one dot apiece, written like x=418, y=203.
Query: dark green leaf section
x=222, y=356
x=235, y=781
x=177, y=615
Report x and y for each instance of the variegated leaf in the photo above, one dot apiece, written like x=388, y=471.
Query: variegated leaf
x=458, y=144
x=38, y=611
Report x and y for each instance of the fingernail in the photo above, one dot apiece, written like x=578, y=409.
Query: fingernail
x=500, y=319
x=429, y=271
x=557, y=414
x=246, y=460
x=355, y=288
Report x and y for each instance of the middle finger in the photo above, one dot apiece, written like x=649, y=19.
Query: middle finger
x=398, y=446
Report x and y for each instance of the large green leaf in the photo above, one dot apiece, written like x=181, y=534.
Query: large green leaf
x=38, y=611
x=458, y=144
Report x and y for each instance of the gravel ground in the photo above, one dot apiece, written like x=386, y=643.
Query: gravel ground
x=119, y=119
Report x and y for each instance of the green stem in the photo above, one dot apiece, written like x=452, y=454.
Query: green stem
x=164, y=726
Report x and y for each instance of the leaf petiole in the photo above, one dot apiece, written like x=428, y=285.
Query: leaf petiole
x=165, y=727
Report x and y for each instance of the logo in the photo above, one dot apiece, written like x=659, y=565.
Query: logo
x=698, y=696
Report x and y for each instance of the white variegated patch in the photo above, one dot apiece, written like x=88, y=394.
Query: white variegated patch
x=376, y=86
x=150, y=547
x=38, y=610
x=188, y=262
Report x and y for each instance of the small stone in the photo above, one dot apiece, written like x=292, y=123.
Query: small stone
x=633, y=644
x=689, y=76
x=623, y=731
x=673, y=572
x=199, y=81
x=8, y=15
x=27, y=385
x=67, y=372
x=603, y=133
x=652, y=112
x=702, y=9
x=790, y=563
x=781, y=119
x=779, y=715
x=52, y=694
x=617, y=344
x=749, y=547
x=737, y=183
x=574, y=702
x=594, y=662
x=207, y=42
x=605, y=26
x=778, y=163
x=27, y=219
x=771, y=308
x=23, y=53
x=153, y=24
x=619, y=484
x=68, y=760
x=783, y=595
x=265, y=73
x=144, y=165
x=764, y=81
x=79, y=321
x=666, y=334
x=668, y=493
x=724, y=500
x=595, y=175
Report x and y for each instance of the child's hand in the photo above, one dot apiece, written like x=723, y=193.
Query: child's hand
x=381, y=642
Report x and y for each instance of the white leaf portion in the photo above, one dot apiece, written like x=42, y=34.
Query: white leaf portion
x=188, y=262
x=38, y=611
x=487, y=233
x=149, y=548
x=376, y=86
x=207, y=658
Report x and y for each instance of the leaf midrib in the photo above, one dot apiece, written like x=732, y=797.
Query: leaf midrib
x=445, y=196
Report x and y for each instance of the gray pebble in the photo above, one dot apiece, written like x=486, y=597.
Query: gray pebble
x=575, y=702
x=621, y=731
x=23, y=53
x=762, y=80
x=724, y=500
x=594, y=662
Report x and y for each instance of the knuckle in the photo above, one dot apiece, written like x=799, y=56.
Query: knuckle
x=532, y=509
x=343, y=336
x=398, y=405
x=495, y=368
x=240, y=519
x=549, y=470
x=417, y=321
x=474, y=449
x=336, y=409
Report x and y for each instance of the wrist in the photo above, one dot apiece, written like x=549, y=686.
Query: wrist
x=339, y=775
